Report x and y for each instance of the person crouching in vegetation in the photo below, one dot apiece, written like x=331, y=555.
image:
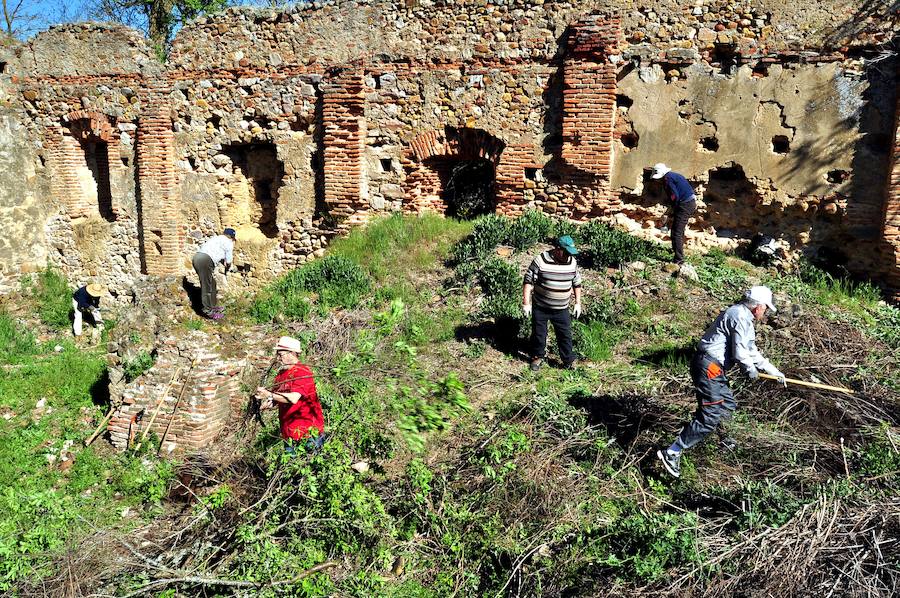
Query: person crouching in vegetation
x=294, y=393
x=731, y=339
x=552, y=276
x=87, y=300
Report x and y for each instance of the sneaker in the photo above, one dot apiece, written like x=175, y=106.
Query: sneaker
x=218, y=309
x=536, y=364
x=728, y=442
x=570, y=365
x=216, y=316
x=671, y=461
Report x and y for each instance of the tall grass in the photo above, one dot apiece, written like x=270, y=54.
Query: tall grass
x=16, y=342
x=54, y=298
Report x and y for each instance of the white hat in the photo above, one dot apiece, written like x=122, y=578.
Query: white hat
x=287, y=343
x=660, y=170
x=761, y=295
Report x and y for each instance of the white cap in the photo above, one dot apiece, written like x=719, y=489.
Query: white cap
x=287, y=343
x=660, y=170
x=761, y=295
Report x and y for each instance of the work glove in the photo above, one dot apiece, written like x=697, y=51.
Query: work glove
x=526, y=310
x=753, y=374
x=576, y=311
x=774, y=371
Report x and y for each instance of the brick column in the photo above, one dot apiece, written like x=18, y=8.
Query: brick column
x=162, y=230
x=891, y=226
x=511, y=178
x=589, y=97
x=344, y=126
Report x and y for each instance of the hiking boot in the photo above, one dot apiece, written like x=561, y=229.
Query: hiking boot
x=671, y=461
x=536, y=364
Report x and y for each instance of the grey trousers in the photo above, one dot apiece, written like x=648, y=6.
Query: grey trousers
x=206, y=269
x=715, y=401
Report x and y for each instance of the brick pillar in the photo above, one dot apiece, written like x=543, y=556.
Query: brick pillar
x=162, y=230
x=589, y=97
x=891, y=226
x=511, y=177
x=344, y=126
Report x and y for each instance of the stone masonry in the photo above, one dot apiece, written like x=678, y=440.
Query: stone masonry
x=293, y=126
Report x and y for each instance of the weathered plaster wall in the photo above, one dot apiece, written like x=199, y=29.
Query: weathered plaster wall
x=292, y=126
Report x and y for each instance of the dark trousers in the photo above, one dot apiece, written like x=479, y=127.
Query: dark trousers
x=683, y=211
x=715, y=401
x=562, y=324
x=205, y=269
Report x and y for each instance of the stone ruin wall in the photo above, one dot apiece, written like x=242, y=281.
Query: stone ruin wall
x=293, y=126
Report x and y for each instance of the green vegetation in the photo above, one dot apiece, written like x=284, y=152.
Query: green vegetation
x=139, y=364
x=449, y=468
x=53, y=297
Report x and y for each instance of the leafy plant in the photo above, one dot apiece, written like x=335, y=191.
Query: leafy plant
x=610, y=247
x=501, y=284
x=54, y=298
x=16, y=342
x=337, y=280
x=137, y=365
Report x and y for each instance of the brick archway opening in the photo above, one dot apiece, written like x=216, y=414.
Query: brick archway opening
x=469, y=187
x=453, y=172
x=87, y=153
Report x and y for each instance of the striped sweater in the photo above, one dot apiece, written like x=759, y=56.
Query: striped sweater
x=553, y=283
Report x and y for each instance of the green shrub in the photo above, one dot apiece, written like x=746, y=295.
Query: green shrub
x=429, y=408
x=610, y=247
x=879, y=456
x=644, y=545
x=530, y=228
x=15, y=341
x=338, y=281
x=501, y=284
x=487, y=232
x=54, y=298
x=137, y=365
x=144, y=479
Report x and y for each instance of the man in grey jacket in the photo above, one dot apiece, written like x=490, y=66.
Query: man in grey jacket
x=730, y=340
x=216, y=249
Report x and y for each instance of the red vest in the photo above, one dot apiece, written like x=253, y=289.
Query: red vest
x=298, y=418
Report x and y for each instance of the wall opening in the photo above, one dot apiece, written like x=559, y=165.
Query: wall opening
x=259, y=165
x=781, y=144
x=709, y=144
x=836, y=177
x=387, y=165
x=96, y=157
x=469, y=188
x=629, y=140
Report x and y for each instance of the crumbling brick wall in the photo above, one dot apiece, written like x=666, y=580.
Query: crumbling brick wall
x=186, y=399
x=570, y=101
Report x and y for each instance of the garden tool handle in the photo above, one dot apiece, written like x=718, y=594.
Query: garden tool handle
x=808, y=384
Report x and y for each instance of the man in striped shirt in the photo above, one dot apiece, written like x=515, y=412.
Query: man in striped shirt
x=552, y=276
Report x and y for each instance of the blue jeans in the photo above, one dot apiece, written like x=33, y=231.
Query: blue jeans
x=311, y=445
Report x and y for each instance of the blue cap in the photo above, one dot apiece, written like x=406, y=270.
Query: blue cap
x=566, y=242
x=230, y=232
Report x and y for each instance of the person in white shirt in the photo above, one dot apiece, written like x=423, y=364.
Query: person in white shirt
x=216, y=249
x=730, y=340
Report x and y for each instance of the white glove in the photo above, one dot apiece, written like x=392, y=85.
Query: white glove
x=774, y=371
x=753, y=374
x=576, y=311
x=526, y=310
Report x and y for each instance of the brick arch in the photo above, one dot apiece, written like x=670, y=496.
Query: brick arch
x=84, y=123
x=424, y=185
x=457, y=142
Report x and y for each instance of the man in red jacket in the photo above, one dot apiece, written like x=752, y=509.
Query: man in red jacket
x=294, y=393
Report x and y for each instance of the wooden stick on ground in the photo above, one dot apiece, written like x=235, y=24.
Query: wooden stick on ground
x=809, y=384
x=100, y=427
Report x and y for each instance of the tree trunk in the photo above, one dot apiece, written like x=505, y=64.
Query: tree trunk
x=160, y=20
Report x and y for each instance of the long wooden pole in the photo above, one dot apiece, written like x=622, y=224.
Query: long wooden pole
x=100, y=427
x=809, y=384
x=162, y=399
